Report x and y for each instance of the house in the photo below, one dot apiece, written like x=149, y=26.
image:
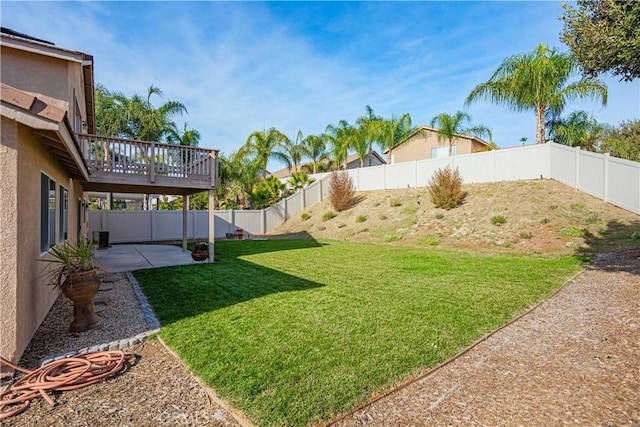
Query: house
x=353, y=162
x=50, y=158
x=423, y=144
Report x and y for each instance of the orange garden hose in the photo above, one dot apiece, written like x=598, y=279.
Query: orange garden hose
x=61, y=375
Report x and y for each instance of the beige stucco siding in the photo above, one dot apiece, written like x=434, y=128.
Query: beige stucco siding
x=31, y=294
x=35, y=73
x=419, y=146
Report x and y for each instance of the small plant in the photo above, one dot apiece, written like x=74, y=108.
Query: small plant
x=328, y=215
x=391, y=237
x=573, y=231
x=553, y=207
x=382, y=217
x=544, y=221
x=321, y=228
x=305, y=216
x=376, y=204
x=410, y=210
x=429, y=240
x=498, y=220
x=526, y=235
x=361, y=218
x=342, y=225
x=445, y=188
x=394, y=203
x=200, y=247
x=592, y=218
x=439, y=216
x=341, y=190
x=635, y=235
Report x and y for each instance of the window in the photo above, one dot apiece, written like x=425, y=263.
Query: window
x=64, y=213
x=443, y=151
x=47, y=212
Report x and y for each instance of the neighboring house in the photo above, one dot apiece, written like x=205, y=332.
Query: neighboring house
x=49, y=158
x=353, y=162
x=424, y=144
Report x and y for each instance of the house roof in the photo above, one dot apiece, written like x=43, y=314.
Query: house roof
x=27, y=43
x=286, y=172
x=48, y=117
x=434, y=129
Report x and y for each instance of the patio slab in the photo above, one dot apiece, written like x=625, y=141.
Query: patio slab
x=129, y=257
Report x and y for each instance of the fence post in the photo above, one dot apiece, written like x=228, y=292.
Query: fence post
x=152, y=172
x=384, y=176
x=415, y=173
x=232, y=220
x=605, y=196
x=577, y=185
x=320, y=189
x=303, y=199
x=284, y=204
x=263, y=223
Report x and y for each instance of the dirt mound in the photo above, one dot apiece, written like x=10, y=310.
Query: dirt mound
x=541, y=216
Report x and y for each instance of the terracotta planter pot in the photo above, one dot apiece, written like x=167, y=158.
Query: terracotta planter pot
x=81, y=288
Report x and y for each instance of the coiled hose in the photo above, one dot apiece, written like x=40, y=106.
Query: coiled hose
x=61, y=375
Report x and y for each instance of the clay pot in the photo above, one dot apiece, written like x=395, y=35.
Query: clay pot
x=80, y=288
x=200, y=255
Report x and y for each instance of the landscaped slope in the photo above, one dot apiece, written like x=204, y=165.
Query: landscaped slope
x=540, y=216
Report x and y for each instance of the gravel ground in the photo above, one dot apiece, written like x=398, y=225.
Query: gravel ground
x=575, y=359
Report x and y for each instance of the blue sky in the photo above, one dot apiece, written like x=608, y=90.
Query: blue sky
x=245, y=66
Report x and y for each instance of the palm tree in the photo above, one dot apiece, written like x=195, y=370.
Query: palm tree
x=370, y=129
x=452, y=125
x=294, y=151
x=577, y=130
x=264, y=145
x=394, y=131
x=538, y=81
x=341, y=138
x=315, y=148
x=188, y=137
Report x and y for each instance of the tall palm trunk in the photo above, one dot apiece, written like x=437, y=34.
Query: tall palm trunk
x=540, y=124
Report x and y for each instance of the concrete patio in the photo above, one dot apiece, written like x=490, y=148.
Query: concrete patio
x=129, y=257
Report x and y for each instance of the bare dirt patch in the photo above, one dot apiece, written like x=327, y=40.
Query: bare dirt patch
x=541, y=216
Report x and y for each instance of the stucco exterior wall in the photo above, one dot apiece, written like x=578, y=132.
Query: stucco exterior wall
x=35, y=73
x=25, y=288
x=8, y=236
x=419, y=146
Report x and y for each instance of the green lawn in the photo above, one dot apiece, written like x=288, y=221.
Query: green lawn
x=293, y=332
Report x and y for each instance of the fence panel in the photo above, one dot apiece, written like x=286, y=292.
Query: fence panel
x=530, y=162
x=591, y=173
x=294, y=204
x=563, y=164
x=371, y=178
x=249, y=220
x=476, y=168
x=623, y=187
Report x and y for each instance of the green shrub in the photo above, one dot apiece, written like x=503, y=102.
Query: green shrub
x=394, y=203
x=392, y=237
x=526, y=234
x=544, y=221
x=361, y=218
x=429, y=240
x=328, y=215
x=382, y=217
x=592, y=218
x=342, y=225
x=410, y=210
x=321, y=228
x=573, y=231
x=305, y=216
x=445, y=188
x=341, y=190
x=498, y=220
x=439, y=216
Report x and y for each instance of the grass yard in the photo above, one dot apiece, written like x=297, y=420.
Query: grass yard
x=296, y=331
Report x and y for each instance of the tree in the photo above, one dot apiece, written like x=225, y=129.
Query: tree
x=264, y=145
x=315, y=148
x=294, y=151
x=237, y=176
x=135, y=117
x=341, y=139
x=187, y=138
x=623, y=141
x=538, y=81
x=604, y=35
x=577, y=130
x=394, y=131
x=449, y=126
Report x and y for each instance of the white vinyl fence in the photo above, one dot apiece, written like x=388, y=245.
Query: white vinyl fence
x=613, y=180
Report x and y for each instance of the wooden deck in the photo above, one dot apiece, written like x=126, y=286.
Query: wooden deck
x=123, y=165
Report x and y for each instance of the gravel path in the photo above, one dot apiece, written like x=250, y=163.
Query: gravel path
x=575, y=359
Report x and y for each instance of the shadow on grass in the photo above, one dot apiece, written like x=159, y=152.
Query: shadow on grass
x=189, y=290
x=616, y=249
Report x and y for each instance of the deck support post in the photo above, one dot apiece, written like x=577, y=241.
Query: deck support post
x=185, y=211
x=211, y=227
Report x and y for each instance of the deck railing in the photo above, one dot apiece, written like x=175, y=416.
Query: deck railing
x=126, y=156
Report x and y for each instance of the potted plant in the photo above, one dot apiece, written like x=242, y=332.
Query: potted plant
x=200, y=251
x=76, y=275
